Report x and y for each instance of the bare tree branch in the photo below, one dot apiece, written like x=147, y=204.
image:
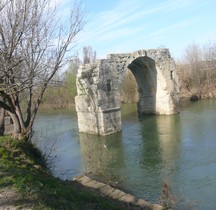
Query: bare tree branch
x=33, y=47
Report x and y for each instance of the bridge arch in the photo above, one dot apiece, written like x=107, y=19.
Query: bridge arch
x=145, y=74
x=98, y=89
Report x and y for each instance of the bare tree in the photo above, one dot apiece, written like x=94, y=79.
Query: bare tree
x=194, y=58
x=75, y=62
x=89, y=56
x=33, y=47
x=197, y=72
x=210, y=65
x=3, y=4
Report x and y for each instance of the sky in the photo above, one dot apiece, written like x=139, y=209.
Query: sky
x=123, y=26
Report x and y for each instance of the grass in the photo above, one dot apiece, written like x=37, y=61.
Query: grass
x=23, y=171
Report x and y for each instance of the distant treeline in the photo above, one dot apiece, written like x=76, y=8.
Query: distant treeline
x=197, y=71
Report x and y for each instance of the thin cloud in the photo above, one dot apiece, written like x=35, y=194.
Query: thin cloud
x=131, y=24
x=175, y=26
x=125, y=14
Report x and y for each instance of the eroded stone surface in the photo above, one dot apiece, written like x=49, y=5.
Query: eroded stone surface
x=98, y=87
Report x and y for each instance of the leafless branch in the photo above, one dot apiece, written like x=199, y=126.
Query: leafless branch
x=33, y=47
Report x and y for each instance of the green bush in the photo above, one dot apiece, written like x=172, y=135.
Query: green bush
x=61, y=96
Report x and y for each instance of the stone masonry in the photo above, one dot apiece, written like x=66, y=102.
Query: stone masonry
x=98, y=88
x=114, y=193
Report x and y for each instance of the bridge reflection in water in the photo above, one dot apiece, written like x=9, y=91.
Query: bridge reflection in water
x=101, y=155
x=178, y=149
x=143, y=156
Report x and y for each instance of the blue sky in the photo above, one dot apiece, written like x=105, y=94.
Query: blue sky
x=119, y=26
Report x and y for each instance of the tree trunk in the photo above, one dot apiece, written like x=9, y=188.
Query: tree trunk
x=16, y=124
x=2, y=121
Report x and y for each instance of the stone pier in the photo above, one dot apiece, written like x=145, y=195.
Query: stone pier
x=98, y=88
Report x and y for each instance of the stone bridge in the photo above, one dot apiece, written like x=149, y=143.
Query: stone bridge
x=98, y=88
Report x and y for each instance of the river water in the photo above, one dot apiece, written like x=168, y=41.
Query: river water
x=179, y=150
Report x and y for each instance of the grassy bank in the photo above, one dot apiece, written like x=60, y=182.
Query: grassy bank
x=25, y=183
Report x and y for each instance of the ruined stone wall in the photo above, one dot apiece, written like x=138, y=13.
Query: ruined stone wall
x=98, y=86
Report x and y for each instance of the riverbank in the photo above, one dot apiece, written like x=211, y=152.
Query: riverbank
x=25, y=183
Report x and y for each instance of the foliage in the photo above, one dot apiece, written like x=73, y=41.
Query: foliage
x=129, y=92
x=22, y=169
x=62, y=95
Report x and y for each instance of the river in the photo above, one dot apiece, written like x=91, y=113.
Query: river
x=179, y=150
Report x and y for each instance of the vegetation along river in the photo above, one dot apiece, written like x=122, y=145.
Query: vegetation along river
x=179, y=150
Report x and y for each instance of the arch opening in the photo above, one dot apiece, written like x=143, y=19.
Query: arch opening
x=129, y=88
x=145, y=73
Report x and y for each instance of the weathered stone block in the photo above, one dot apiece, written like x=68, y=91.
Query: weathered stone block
x=8, y=129
x=8, y=120
x=98, y=87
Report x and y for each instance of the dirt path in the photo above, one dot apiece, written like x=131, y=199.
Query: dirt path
x=7, y=199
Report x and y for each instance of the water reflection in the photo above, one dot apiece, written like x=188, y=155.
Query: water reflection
x=151, y=157
x=56, y=135
x=151, y=152
x=169, y=132
x=142, y=157
x=101, y=155
x=197, y=165
x=178, y=149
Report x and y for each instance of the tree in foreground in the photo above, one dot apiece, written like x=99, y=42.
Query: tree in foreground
x=33, y=48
